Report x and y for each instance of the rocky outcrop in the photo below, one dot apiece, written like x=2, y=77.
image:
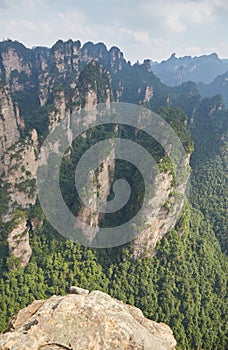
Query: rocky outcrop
x=66, y=55
x=112, y=59
x=156, y=218
x=44, y=87
x=17, y=67
x=148, y=94
x=20, y=170
x=161, y=215
x=9, y=118
x=65, y=79
x=85, y=321
x=48, y=70
x=12, y=60
x=101, y=189
x=18, y=242
x=60, y=111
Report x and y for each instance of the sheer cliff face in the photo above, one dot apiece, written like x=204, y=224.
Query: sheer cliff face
x=12, y=61
x=20, y=168
x=85, y=321
x=54, y=76
x=61, y=81
x=9, y=121
x=45, y=70
x=101, y=189
x=160, y=219
x=18, y=242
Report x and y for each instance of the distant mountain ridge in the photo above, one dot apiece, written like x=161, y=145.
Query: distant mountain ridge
x=174, y=71
x=182, y=280
x=219, y=86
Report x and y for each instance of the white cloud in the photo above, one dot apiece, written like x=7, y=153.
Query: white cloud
x=220, y=4
x=29, y=25
x=179, y=15
x=174, y=22
x=75, y=23
x=142, y=29
x=140, y=37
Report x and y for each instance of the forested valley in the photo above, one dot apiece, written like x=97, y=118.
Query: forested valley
x=184, y=284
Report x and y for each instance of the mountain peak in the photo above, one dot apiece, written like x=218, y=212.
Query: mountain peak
x=173, y=56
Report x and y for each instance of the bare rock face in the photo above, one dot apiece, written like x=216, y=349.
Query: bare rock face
x=66, y=55
x=93, y=321
x=20, y=167
x=18, y=241
x=12, y=60
x=158, y=219
x=161, y=215
x=9, y=132
x=148, y=93
x=100, y=189
x=19, y=163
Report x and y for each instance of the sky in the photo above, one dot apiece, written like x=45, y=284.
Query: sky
x=143, y=29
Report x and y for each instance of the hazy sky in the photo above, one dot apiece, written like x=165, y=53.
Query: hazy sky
x=141, y=29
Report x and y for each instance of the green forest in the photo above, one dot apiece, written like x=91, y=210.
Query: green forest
x=185, y=284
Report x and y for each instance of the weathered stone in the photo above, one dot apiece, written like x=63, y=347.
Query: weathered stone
x=79, y=291
x=19, y=163
x=18, y=241
x=101, y=189
x=20, y=168
x=12, y=61
x=159, y=219
x=9, y=132
x=148, y=94
x=81, y=322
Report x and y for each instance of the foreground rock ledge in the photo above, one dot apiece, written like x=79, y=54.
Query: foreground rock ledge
x=84, y=321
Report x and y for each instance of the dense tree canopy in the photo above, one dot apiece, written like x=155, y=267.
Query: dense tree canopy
x=184, y=284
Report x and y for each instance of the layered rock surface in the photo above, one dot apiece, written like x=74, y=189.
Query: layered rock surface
x=9, y=132
x=63, y=80
x=18, y=241
x=85, y=322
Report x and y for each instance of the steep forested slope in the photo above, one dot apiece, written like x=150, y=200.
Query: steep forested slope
x=218, y=86
x=184, y=284
x=210, y=165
